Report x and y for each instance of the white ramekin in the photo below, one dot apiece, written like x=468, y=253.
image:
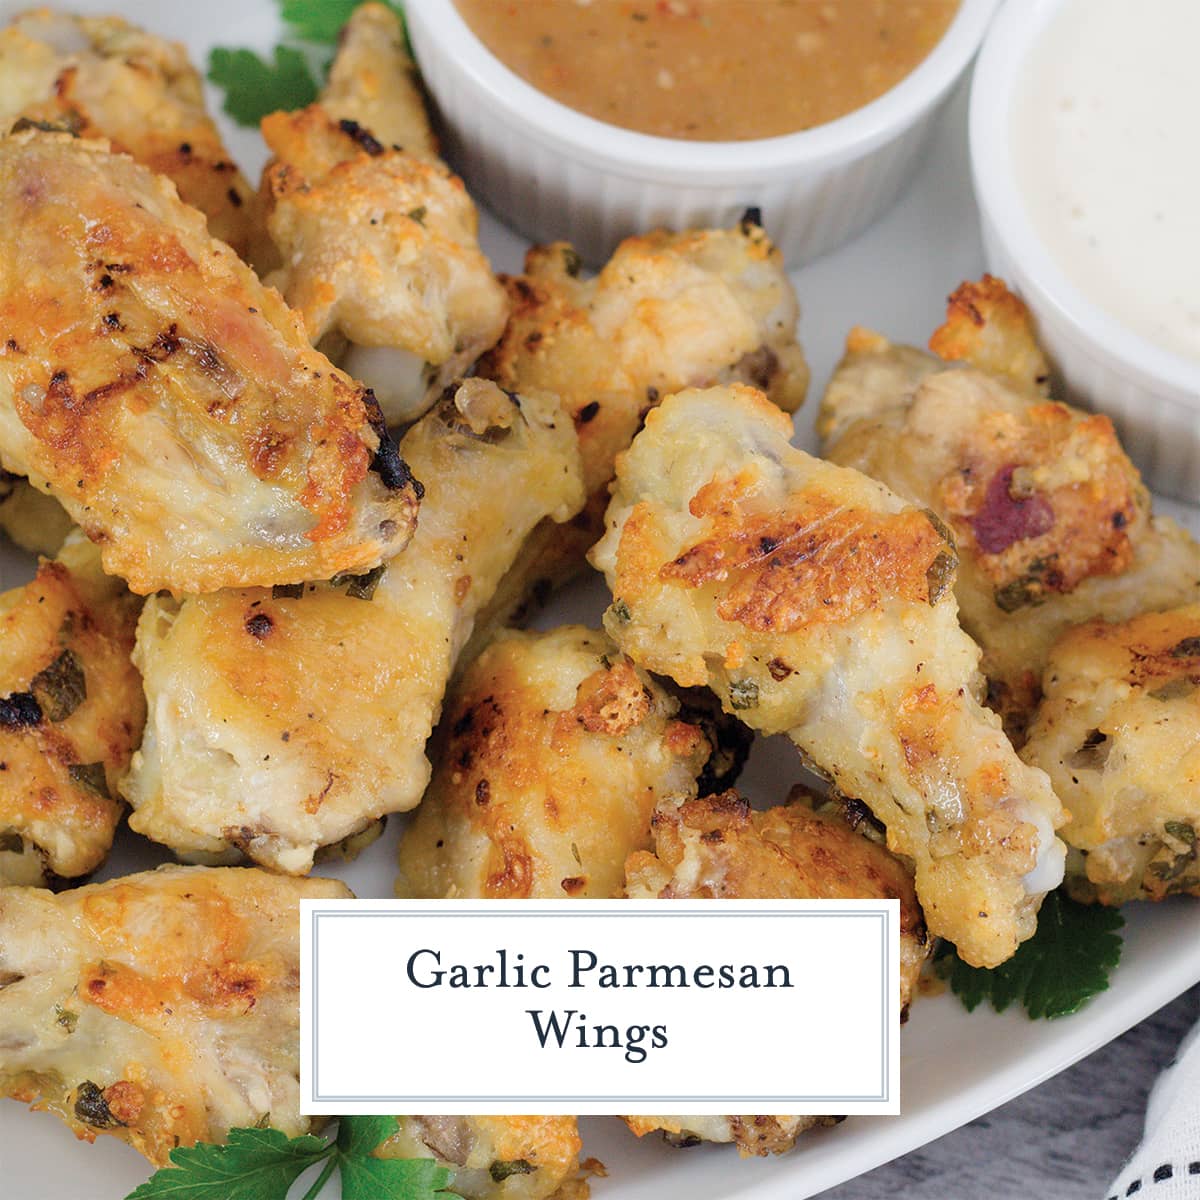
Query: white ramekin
x=554, y=173
x=1152, y=395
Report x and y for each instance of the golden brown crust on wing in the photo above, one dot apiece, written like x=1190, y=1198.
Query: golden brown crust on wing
x=882, y=697
x=1118, y=732
x=717, y=847
x=162, y=1008
x=751, y=1135
x=167, y=398
x=553, y=751
x=991, y=329
x=497, y=1158
x=71, y=714
x=101, y=77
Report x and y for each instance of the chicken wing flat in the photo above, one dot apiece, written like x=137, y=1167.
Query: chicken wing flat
x=816, y=603
x=1118, y=732
x=71, y=714
x=1051, y=520
x=162, y=1008
x=497, y=1158
x=379, y=244
x=285, y=720
x=31, y=519
x=169, y=400
x=101, y=77
x=751, y=1135
x=552, y=753
x=668, y=311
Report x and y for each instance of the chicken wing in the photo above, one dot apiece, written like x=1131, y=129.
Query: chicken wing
x=1118, y=732
x=751, y=1135
x=162, y=1008
x=104, y=78
x=71, y=713
x=817, y=603
x=31, y=519
x=668, y=311
x=284, y=720
x=552, y=754
x=168, y=399
x=1051, y=519
x=497, y=1158
x=379, y=244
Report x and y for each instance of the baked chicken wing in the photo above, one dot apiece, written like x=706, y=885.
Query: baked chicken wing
x=162, y=1008
x=1118, y=732
x=668, y=311
x=817, y=603
x=497, y=1158
x=751, y=1135
x=101, y=77
x=379, y=240
x=1051, y=520
x=169, y=400
x=71, y=713
x=284, y=720
x=552, y=753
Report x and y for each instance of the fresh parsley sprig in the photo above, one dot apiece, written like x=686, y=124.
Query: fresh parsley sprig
x=1058, y=970
x=255, y=86
x=263, y=1164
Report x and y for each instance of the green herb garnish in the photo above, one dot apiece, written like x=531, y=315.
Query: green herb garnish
x=1066, y=962
x=254, y=87
x=321, y=20
x=263, y=1164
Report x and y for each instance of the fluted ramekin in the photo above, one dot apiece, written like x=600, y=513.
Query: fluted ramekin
x=553, y=173
x=1152, y=395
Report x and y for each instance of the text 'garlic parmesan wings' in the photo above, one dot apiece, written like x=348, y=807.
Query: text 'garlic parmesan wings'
x=101, y=77
x=169, y=400
x=1052, y=523
x=553, y=751
x=817, y=603
x=285, y=720
x=1118, y=732
x=162, y=1008
x=379, y=240
x=71, y=713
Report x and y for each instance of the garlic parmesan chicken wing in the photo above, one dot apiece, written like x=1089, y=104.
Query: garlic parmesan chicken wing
x=162, y=1008
x=751, y=1135
x=71, y=713
x=551, y=755
x=1051, y=520
x=102, y=77
x=497, y=1158
x=816, y=603
x=379, y=240
x=668, y=311
x=1118, y=732
x=285, y=720
x=169, y=400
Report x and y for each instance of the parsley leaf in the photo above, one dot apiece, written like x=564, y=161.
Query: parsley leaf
x=1058, y=970
x=263, y=1164
x=320, y=20
x=254, y=88
x=258, y=1164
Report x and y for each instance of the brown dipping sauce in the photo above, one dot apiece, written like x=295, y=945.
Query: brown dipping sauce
x=711, y=70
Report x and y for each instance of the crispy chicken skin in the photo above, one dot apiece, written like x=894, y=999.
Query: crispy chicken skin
x=717, y=847
x=162, y=1008
x=668, y=311
x=552, y=753
x=169, y=400
x=1118, y=732
x=497, y=1158
x=816, y=603
x=71, y=714
x=279, y=723
x=101, y=77
x=1052, y=522
x=31, y=519
x=379, y=243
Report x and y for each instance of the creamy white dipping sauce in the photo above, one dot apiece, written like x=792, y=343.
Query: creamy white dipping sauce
x=1106, y=149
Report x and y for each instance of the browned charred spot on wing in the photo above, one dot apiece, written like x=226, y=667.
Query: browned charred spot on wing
x=20, y=710
x=91, y=1107
x=759, y=367
x=259, y=626
x=363, y=138
x=386, y=462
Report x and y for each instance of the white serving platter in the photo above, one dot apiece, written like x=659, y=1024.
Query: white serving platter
x=955, y=1065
